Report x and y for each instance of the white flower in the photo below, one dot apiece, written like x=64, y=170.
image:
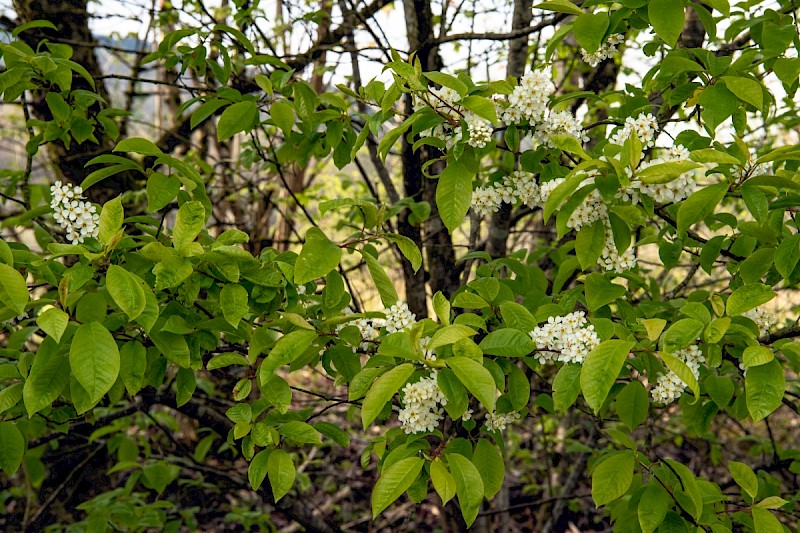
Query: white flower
x=422, y=403
x=78, y=217
x=530, y=98
x=669, y=386
x=606, y=51
x=428, y=355
x=568, y=339
x=480, y=133
x=527, y=190
x=644, y=127
x=610, y=259
x=500, y=421
x=763, y=319
x=467, y=415
x=399, y=318
x=559, y=123
x=485, y=201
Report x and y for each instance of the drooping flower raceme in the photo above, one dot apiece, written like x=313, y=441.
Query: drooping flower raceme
x=606, y=51
x=427, y=355
x=77, y=216
x=612, y=260
x=644, y=127
x=763, y=319
x=499, y=422
x=480, y=132
x=422, y=403
x=399, y=318
x=568, y=339
x=669, y=386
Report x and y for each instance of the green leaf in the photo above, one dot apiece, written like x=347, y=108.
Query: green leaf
x=318, y=257
x=13, y=289
x=699, y=205
x=481, y=106
x=709, y=155
x=10, y=396
x=394, y=481
x=132, y=366
x=94, y=359
x=161, y=190
x=682, y=370
x=47, y=378
x=469, y=486
x=718, y=104
x=744, y=476
x=257, y=471
x=281, y=472
x=566, y=386
x=226, y=359
x=190, y=220
x=31, y=25
x=333, y=432
x=450, y=335
x=233, y=301
x=507, y=342
x=408, y=249
x=382, y=391
x=287, y=349
x=764, y=387
x=666, y=17
x=12, y=448
x=788, y=255
x=207, y=109
x=589, y=244
x=665, y=172
x=278, y=393
x=653, y=507
x=241, y=116
x=756, y=355
x=516, y=316
x=53, y=322
x=454, y=191
x=720, y=389
x=772, y=502
x=282, y=114
x=382, y=282
x=443, y=480
x=111, y=217
x=300, y=432
x=476, y=378
x=490, y=466
x=765, y=521
x=612, y=477
x=601, y=369
x=126, y=291
x=681, y=334
x=746, y=90
x=748, y=297
x=447, y=80
x=560, y=6
x=138, y=145
x=633, y=404
x=441, y=307
x=589, y=30
x=185, y=385
x=600, y=291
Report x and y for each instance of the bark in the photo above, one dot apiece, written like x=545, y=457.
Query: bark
x=442, y=274
x=71, y=19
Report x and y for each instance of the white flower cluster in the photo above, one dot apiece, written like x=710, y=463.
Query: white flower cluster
x=559, y=123
x=399, y=318
x=610, y=258
x=763, y=319
x=644, y=127
x=480, y=133
x=669, y=386
x=568, y=339
x=77, y=216
x=673, y=191
x=606, y=50
x=499, y=422
x=368, y=328
x=528, y=101
x=485, y=200
x=422, y=403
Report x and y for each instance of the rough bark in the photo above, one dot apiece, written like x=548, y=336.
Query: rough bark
x=71, y=19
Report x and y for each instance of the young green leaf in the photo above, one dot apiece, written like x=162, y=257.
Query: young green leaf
x=469, y=486
x=476, y=379
x=382, y=391
x=601, y=369
x=318, y=257
x=612, y=477
x=281, y=472
x=394, y=481
x=126, y=291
